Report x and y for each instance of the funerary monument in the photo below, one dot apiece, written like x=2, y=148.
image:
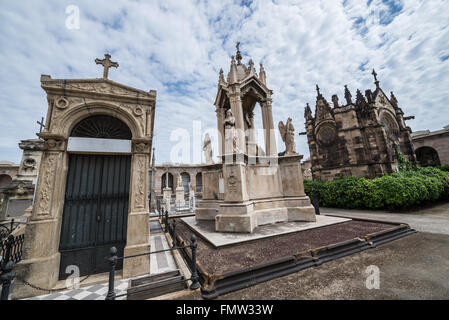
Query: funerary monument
x=359, y=138
x=251, y=186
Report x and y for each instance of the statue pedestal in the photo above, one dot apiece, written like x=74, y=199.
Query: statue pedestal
x=258, y=193
x=180, y=201
x=167, y=198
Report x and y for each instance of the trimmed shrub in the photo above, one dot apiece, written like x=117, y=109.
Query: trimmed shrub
x=396, y=191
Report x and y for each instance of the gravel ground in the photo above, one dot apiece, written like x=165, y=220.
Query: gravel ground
x=413, y=267
x=248, y=254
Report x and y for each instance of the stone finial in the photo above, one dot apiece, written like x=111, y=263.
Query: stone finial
x=335, y=101
x=359, y=97
x=308, y=113
x=262, y=75
x=221, y=76
x=369, y=95
x=106, y=63
x=251, y=69
x=238, y=55
x=348, y=95
x=233, y=71
x=393, y=99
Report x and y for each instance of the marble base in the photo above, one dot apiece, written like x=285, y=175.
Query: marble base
x=218, y=239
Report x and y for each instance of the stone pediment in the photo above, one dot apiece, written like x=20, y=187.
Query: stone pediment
x=98, y=87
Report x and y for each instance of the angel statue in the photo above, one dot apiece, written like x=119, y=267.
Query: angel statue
x=231, y=144
x=207, y=148
x=288, y=136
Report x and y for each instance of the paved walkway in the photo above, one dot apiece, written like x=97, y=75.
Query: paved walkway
x=160, y=262
x=433, y=219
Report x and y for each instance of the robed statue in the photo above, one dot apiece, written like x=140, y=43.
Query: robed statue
x=288, y=136
x=231, y=144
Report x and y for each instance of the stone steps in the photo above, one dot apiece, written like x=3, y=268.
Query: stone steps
x=156, y=285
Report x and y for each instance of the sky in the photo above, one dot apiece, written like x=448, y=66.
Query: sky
x=178, y=47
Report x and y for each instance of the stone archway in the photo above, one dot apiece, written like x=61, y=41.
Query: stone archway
x=199, y=182
x=96, y=198
x=185, y=181
x=164, y=181
x=5, y=179
x=427, y=156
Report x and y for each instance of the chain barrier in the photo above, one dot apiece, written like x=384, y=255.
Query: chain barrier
x=52, y=290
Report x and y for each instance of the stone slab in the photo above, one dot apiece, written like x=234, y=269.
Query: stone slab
x=219, y=239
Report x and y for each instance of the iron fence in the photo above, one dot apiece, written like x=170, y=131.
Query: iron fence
x=11, y=253
x=171, y=229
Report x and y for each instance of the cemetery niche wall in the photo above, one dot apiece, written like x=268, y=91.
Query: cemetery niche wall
x=252, y=186
x=92, y=189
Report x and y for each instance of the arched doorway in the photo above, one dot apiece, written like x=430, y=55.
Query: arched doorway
x=95, y=212
x=5, y=180
x=427, y=156
x=164, y=181
x=185, y=181
x=199, y=182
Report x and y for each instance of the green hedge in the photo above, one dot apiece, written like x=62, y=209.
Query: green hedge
x=396, y=191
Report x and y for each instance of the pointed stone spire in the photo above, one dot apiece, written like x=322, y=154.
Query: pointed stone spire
x=318, y=92
x=251, y=69
x=308, y=113
x=238, y=55
x=348, y=95
x=369, y=95
x=152, y=160
x=376, y=82
x=233, y=72
x=359, y=97
x=221, y=77
x=335, y=101
x=262, y=75
x=393, y=100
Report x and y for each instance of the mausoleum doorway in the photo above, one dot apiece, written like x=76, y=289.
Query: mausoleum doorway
x=97, y=194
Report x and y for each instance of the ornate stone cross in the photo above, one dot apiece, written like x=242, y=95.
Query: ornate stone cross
x=374, y=74
x=106, y=63
x=41, y=124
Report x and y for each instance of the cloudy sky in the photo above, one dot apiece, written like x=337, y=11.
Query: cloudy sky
x=178, y=47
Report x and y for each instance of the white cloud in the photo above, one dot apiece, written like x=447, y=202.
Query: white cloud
x=178, y=47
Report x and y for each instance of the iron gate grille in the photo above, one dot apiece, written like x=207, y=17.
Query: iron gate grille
x=95, y=211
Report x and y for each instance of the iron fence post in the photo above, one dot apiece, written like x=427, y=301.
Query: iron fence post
x=175, y=243
x=166, y=221
x=193, y=245
x=9, y=244
x=316, y=203
x=112, y=262
x=6, y=278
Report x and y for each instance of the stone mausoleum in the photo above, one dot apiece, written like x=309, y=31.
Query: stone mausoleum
x=92, y=189
x=359, y=138
x=252, y=186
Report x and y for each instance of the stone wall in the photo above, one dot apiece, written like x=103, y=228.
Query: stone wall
x=436, y=140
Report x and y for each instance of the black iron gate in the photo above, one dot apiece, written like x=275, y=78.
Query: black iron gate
x=95, y=212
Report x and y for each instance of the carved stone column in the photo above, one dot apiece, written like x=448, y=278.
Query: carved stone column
x=268, y=126
x=40, y=252
x=237, y=110
x=221, y=134
x=138, y=233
